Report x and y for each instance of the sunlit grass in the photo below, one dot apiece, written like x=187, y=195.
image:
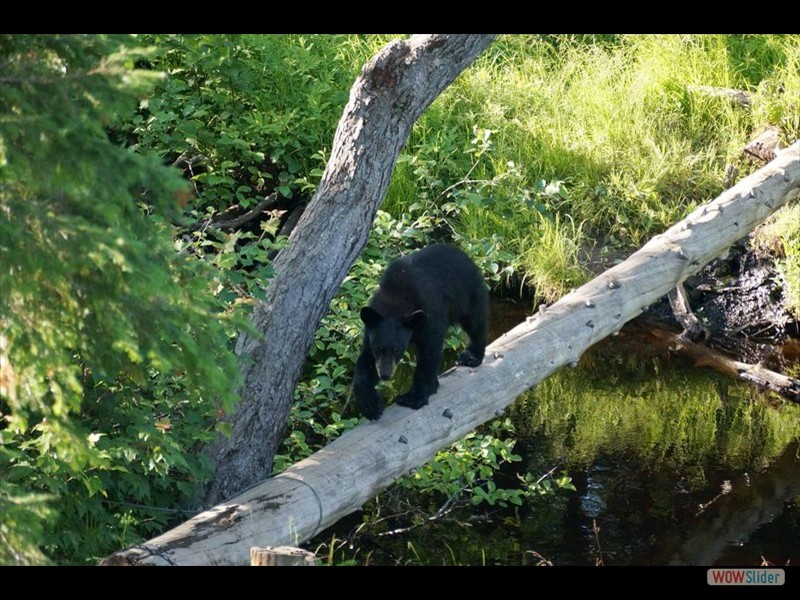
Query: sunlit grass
x=549, y=257
x=617, y=123
x=618, y=119
x=781, y=234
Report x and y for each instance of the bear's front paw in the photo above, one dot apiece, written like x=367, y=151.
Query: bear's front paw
x=412, y=400
x=468, y=359
x=370, y=404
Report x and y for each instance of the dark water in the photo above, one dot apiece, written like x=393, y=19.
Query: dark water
x=672, y=465
x=646, y=516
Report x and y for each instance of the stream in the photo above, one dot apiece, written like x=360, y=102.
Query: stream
x=672, y=465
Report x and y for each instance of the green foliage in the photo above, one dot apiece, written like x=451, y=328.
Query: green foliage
x=781, y=235
x=468, y=466
x=24, y=516
x=490, y=210
x=610, y=120
x=258, y=112
x=550, y=258
x=245, y=116
x=777, y=90
x=114, y=354
x=617, y=121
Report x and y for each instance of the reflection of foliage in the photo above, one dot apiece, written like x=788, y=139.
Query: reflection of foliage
x=662, y=416
x=646, y=444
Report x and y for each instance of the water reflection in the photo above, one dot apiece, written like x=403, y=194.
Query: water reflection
x=672, y=465
x=676, y=466
x=742, y=509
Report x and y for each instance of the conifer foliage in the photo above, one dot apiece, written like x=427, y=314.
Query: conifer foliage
x=109, y=338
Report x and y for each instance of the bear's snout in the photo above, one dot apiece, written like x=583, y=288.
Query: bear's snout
x=386, y=369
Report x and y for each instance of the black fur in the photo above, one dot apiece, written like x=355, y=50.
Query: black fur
x=419, y=296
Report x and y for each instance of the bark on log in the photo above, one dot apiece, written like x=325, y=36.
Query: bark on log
x=282, y=556
x=333, y=482
x=765, y=146
x=393, y=90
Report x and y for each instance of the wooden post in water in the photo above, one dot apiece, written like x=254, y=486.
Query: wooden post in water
x=335, y=481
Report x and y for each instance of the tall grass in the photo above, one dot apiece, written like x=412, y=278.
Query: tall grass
x=615, y=123
x=781, y=234
x=618, y=119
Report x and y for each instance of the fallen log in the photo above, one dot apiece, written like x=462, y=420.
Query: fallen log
x=765, y=146
x=755, y=374
x=314, y=493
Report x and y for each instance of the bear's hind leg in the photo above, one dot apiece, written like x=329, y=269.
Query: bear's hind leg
x=475, y=326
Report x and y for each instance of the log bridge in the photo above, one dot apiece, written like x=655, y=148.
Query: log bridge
x=314, y=493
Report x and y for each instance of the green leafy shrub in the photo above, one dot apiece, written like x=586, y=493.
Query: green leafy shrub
x=257, y=112
x=114, y=339
x=468, y=467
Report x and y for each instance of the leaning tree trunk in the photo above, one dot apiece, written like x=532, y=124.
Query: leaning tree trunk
x=333, y=482
x=393, y=90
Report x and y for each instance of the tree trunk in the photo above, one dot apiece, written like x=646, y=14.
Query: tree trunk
x=317, y=491
x=393, y=90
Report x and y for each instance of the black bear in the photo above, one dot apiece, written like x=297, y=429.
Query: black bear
x=420, y=295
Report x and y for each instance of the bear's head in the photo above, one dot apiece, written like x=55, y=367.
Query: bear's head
x=388, y=337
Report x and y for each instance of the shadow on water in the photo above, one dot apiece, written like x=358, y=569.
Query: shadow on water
x=672, y=465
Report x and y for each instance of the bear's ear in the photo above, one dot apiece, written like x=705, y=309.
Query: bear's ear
x=370, y=316
x=414, y=320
